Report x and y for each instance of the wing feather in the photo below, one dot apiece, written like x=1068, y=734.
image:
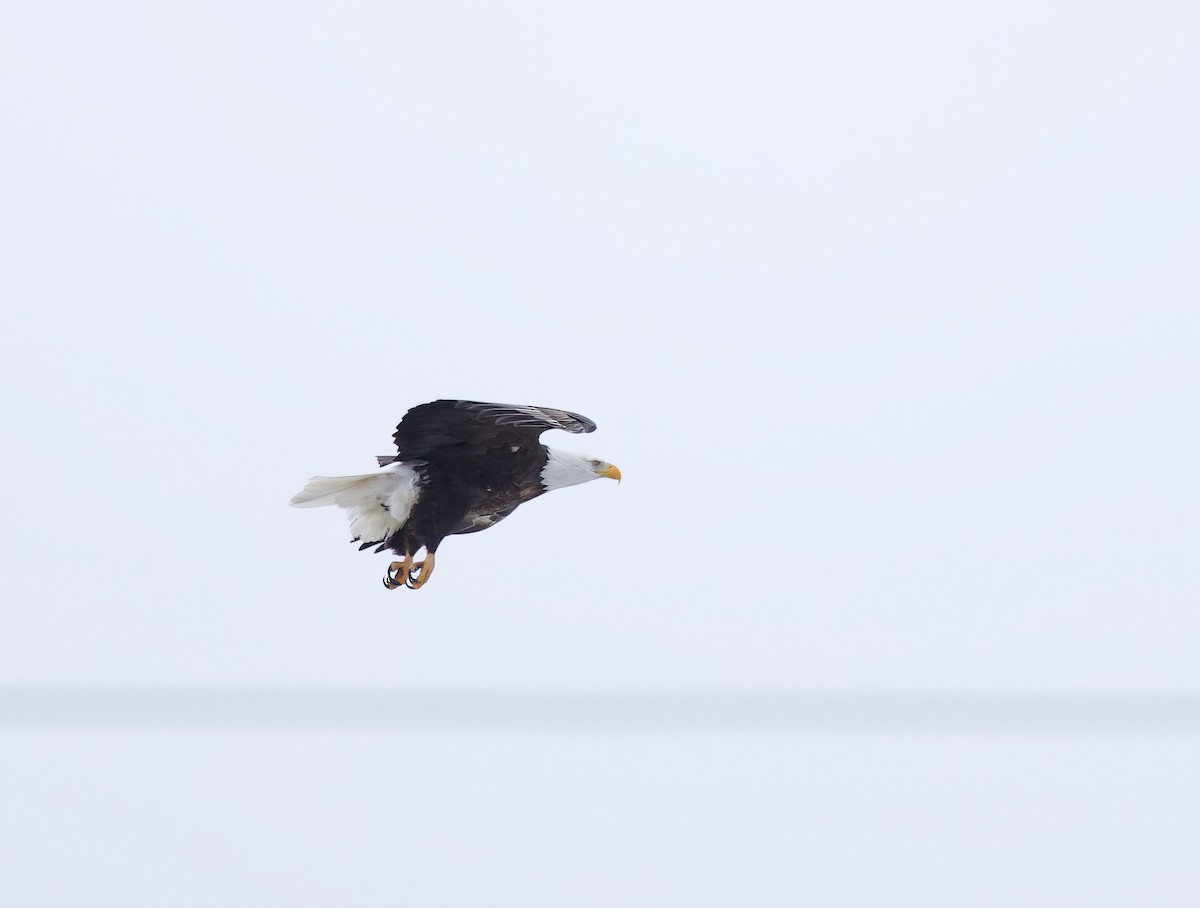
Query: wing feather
x=445, y=423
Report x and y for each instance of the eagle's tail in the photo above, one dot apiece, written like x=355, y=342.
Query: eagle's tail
x=377, y=503
x=327, y=490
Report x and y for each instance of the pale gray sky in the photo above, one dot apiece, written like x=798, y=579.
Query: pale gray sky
x=887, y=312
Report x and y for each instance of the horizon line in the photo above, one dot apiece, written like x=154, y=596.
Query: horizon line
x=631, y=710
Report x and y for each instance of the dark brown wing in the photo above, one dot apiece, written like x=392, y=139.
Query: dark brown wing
x=473, y=523
x=444, y=423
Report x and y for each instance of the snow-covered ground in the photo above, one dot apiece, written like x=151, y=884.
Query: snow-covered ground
x=153, y=815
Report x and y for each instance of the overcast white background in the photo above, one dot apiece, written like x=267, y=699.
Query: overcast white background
x=887, y=313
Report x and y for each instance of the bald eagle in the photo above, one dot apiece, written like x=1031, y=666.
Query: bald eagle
x=462, y=466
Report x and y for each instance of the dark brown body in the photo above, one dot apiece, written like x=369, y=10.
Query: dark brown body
x=465, y=489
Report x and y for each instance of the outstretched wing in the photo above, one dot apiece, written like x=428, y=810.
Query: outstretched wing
x=444, y=423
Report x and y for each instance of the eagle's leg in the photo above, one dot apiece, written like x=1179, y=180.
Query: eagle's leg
x=419, y=572
x=397, y=572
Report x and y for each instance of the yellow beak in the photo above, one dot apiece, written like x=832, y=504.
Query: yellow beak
x=611, y=472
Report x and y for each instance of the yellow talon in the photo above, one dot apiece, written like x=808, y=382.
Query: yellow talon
x=420, y=572
x=397, y=573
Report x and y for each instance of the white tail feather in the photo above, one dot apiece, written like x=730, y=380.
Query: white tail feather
x=377, y=504
x=325, y=490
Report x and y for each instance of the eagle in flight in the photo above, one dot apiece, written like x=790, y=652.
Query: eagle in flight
x=461, y=467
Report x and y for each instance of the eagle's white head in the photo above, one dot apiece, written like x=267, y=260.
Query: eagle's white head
x=570, y=468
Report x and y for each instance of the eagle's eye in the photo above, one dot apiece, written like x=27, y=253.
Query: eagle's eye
x=596, y=464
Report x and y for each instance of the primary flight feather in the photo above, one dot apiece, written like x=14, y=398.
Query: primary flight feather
x=461, y=467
